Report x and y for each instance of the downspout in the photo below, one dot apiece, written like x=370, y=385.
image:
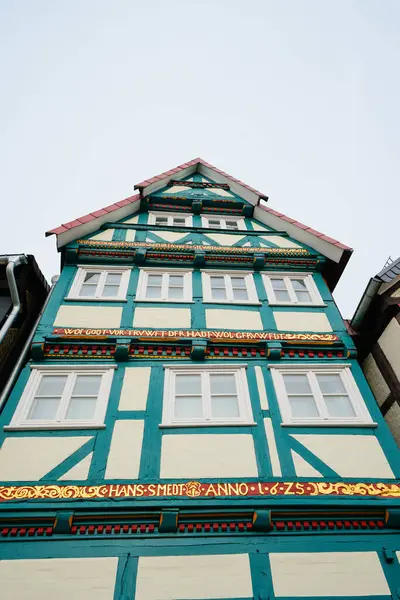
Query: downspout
x=25, y=350
x=12, y=262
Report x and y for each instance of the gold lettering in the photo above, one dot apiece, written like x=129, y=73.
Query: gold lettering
x=243, y=489
x=233, y=489
x=211, y=490
x=260, y=490
x=161, y=489
x=139, y=490
x=222, y=489
x=151, y=489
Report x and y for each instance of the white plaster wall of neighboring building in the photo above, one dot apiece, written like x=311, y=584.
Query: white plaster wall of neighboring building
x=392, y=418
x=223, y=318
x=102, y=317
x=327, y=574
x=161, y=317
x=61, y=578
x=135, y=388
x=375, y=379
x=302, y=321
x=123, y=460
x=208, y=455
x=349, y=455
x=31, y=458
x=197, y=577
x=390, y=345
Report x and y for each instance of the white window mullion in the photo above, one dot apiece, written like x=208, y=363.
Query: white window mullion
x=164, y=285
x=290, y=289
x=66, y=397
x=228, y=287
x=206, y=392
x=316, y=392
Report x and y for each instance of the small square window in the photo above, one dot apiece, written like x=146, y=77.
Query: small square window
x=100, y=283
x=64, y=397
x=319, y=395
x=292, y=289
x=164, y=286
x=225, y=223
x=234, y=287
x=170, y=219
x=198, y=395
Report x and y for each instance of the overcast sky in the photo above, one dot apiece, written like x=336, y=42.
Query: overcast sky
x=298, y=98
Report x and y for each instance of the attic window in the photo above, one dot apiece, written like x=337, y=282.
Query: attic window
x=170, y=219
x=100, y=283
x=226, y=223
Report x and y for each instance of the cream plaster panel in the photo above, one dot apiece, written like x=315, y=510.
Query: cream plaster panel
x=102, y=317
x=221, y=192
x=392, y=418
x=105, y=236
x=161, y=317
x=31, y=458
x=273, y=451
x=390, y=343
x=328, y=574
x=258, y=227
x=225, y=239
x=302, y=321
x=262, y=392
x=79, y=471
x=175, y=189
x=280, y=241
x=130, y=235
x=208, y=455
x=135, y=388
x=349, y=455
x=169, y=236
x=181, y=577
x=61, y=578
x=303, y=468
x=126, y=448
x=132, y=220
x=375, y=379
x=233, y=319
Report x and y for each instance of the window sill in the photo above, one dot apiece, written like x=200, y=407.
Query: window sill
x=39, y=427
x=231, y=303
x=205, y=424
x=298, y=304
x=158, y=301
x=78, y=299
x=331, y=424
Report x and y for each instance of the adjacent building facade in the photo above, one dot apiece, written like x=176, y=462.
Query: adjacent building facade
x=193, y=422
x=375, y=327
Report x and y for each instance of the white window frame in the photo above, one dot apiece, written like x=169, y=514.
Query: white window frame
x=249, y=281
x=239, y=370
x=20, y=419
x=240, y=222
x=362, y=416
x=104, y=270
x=308, y=279
x=142, y=285
x=171, y=216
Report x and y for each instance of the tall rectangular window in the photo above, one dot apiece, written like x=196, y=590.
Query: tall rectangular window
x=235, y=287
x=62, y=397
x=157, y=285
x=318, y=394
x=212, y=395
x=292, y=289
x=100, y=283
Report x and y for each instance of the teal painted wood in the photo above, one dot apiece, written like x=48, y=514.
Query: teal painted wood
x=151, y=448
x=71, y=461
x=312, y=459
x=198, y=313
x=260, y=440
x=125, y=584
x=129, y=306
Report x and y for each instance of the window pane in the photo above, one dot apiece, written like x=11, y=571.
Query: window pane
x=217, y=282
x=212, y=223
x=110, y=291
x=231, y=225
x=81, y=408
x=296, y=384
x=175, y=292
x=51, y=385
x=331, y=384
x=179, y=221
x=278, y=284
x=224, y=406
x=113, y=278
x=240, y=295
x=303, y=296
x=299, y=285
x=92, y=277
x=188, y=407
x=238, y=282
x=176, y=280
x=161, y=220
x=44, y=409
x=303, y=406
x=88, y=290
x=153, y=292
x=282, y=296
x=87, y=385
x=223, y=383
x=218, y=294
x=339, y=406
x=154, y=279
x=188, y=384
